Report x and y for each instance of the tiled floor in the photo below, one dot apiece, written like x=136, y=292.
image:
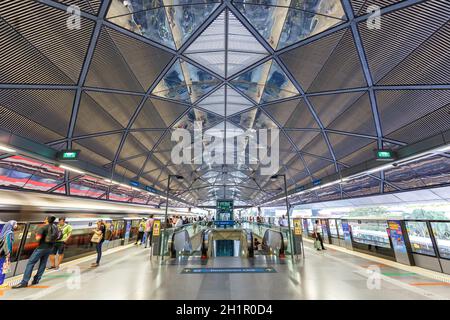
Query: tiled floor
x=331, y=274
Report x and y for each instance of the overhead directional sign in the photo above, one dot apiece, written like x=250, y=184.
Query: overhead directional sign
x=68, y=155
x=385, y=155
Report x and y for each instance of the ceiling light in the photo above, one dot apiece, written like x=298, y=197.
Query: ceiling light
x=71, y=169
x=444, y=148
x=7, y=149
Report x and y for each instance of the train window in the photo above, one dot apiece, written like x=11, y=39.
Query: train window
x=441, y=231
x=30, y=242
x=419, y=237
x=370, y=233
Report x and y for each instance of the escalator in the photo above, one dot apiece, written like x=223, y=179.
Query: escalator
x=219, y=242
x=227, y=243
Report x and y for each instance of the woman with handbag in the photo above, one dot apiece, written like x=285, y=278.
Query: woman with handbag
x=6, y=246
x=98, y=238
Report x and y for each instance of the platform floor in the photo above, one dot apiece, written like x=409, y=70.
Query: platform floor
x=331, y=274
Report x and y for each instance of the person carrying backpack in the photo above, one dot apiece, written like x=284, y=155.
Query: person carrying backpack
x=60, y=244
x=47, y=234
x=6, y=245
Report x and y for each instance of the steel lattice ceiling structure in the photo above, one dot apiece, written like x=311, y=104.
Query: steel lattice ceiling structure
x=137, y=69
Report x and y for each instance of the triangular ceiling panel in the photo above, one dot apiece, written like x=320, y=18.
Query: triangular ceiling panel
x=158, y=114
x=185, y=82
x=226, y=46
x=265, y=83
x=207, y=119
x=286, y=22
x=167, y=22
x=233, y=103
x=137, y=54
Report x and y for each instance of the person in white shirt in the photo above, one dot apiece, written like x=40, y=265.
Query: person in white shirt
x=318, y=233
x=179, y=222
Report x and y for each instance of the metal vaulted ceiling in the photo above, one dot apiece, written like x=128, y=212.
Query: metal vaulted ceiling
x=137, y=69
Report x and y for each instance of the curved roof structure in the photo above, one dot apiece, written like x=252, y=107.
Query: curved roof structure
x=337, y=81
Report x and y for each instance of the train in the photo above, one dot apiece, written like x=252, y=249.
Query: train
x=29, y=209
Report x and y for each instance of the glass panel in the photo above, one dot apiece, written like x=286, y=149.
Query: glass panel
x=215, y=102
x=12, y=178
x=212, y=39
x=265, y=83
x=331, y=8
x=187, y=122
x=198, y=81
x=235, y=102
x=278, y=86
x=283, y=22
x=419, y=237
x=167, y=22
x=173, y=85
x=300, y=25
x=30, y=243
x=214, y=61
x=339, y=227
x=333, y=228
x=184, y=20
x=238, y=61
x=323, y=224
x=268, y=20
x=240, y=39
x=21, y=172
x=441, y=231
x=243, y=48
x=252, y=82
x=311, y=223
x=151, y=24
x=18, y=234
x=370, y=232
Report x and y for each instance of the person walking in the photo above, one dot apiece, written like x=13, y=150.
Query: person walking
x=98, y=238
x=60, y=245
x=47, y=235
x=318, y=235
x=6, y=247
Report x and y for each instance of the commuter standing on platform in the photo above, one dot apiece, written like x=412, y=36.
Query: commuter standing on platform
x=98, y=238
x=148, y=231
x=318, y=235
x=6, y=246
x=47, y=235
x=141, y=230
x=60, y=245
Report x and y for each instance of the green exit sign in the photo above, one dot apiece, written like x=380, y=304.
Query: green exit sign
x=68, y=155
x=385, y=155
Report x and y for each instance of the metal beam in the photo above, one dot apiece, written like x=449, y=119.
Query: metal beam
x=85, y=69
